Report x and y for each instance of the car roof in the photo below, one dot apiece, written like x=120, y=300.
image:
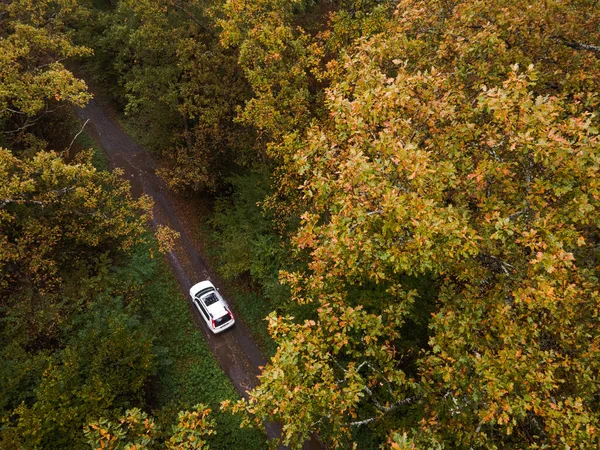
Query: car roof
x=217, y=309
x=213, y=302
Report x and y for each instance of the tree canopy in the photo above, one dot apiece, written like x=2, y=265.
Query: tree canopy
x=433, y=207
x=461, y=145
x=36, y=40
x=76, y=272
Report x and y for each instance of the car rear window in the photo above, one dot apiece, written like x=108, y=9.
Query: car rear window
x=222, y=320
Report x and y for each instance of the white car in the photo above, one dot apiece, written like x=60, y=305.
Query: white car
x=212, y=307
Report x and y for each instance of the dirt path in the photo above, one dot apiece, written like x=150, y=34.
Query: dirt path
x=235, y=350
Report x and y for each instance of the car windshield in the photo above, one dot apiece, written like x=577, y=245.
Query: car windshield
x=221, y=320
x=210, y=299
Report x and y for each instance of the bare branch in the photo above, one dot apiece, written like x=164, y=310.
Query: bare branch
x=14, y=111
x=370, y=213
x=363, y=422
x=190, y=15
x=19, y=201
x=388, y=409
x=24, y=201
x=361, y=365
x=378, y=405
x=29, y=123
x=514, y=216
x=494, y=263
x=80, y=131
x=577, y=45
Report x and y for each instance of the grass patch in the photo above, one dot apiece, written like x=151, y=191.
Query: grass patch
x=246, y=250
x=152, y=129
x=99, y=158
x=254, y=309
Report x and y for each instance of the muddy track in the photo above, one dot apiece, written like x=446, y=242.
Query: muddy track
x=236, y=351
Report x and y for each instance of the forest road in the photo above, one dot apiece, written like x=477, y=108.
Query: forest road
x=236, y=351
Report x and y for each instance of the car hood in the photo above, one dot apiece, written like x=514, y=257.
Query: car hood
x=200, y=287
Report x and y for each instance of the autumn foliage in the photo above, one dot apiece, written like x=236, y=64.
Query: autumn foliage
x=434, y=203
x=459, y=145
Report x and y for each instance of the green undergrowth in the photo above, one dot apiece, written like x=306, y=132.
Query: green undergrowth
x=251, y=303
x=152, y=130
x=186, y=371
x=249, y=253
x=254, y=310
x=99, y=158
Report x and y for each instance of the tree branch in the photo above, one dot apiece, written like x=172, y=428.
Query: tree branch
x=577, y=45
x=80, y=131
x=29, y=123
x=363, y=422
x=14, y=111
x=19, y=201
x=388, y=409
x=190, y=16
x=514, y=216
x=495, y=264
x=370, y=213
x=384, y=409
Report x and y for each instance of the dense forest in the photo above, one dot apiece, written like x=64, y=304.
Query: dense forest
x=404, y=196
